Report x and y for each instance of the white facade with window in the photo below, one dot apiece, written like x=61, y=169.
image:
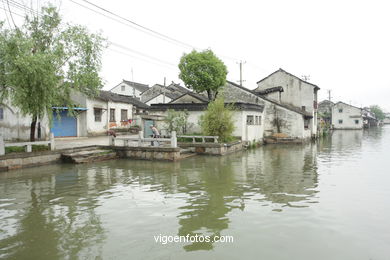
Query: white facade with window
x=129, y=88
x=346, y=116
x=96, y=119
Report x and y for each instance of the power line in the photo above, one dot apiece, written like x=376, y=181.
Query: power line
x=135, y=25
x=140, y=53
x=11, y=12
x=139, y=58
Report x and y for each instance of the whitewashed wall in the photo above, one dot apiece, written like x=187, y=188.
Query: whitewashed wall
x=14, y=126
x=348, y=116
x=128, y=90
x=160, y=99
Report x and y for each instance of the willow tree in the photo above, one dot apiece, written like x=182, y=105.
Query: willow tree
x=203, y=71
x=44, y=60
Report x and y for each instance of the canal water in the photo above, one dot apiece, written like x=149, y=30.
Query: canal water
x=329, y=200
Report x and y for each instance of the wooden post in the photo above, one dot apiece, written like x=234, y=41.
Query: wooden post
x=140, y=137
x=215, y=139
x=173, y=139
x=125, y=142
x=52, y=143
x=29, y=148
x=203, y=141
x=193, y=139
x=2, y=145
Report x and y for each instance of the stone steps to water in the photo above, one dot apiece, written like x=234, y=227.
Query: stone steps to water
x=185, y=153
x=94, y=155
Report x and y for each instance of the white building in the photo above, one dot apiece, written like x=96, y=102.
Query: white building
x=248, y=118
x=95, y=116
x=130, y=88
x=387, y=118
x=278, y=118
x=285, y=88
x=346, y=116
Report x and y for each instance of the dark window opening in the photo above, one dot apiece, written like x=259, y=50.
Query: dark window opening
x=306, y=123
x=98, y=114
x=112, y=115
x=124, y=115
x=250, y=120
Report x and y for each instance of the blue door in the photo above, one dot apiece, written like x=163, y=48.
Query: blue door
x=148, y=132
x=65, y=125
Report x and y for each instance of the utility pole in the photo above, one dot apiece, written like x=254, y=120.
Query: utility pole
x=329, y=94
x=241, y=62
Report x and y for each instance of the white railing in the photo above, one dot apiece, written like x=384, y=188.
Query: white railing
x=27, y=145
x=140, y=140
x=203, y=137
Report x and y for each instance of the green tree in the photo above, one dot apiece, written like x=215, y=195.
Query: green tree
x=177, y=121
x=44, y=60
x=378, y=112
x=203, y=71
x=218, y=120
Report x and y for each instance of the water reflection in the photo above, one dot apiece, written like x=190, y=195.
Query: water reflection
x=66, y=211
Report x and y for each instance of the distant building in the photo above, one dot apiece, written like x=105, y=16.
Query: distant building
x=162, y=94
x=345, y=116
x=369, y=118
x=130, y=88
x=284, y=88
x=387, y=118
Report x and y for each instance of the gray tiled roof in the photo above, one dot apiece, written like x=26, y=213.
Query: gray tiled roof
x=139, y=86
x=110, y=96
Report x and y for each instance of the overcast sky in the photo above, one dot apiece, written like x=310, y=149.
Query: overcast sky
x=344, y=46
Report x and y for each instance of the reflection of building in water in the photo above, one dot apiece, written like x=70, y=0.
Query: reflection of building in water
x=340, y=144
x=283, y=174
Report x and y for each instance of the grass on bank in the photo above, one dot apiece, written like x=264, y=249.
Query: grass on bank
x=22, y=149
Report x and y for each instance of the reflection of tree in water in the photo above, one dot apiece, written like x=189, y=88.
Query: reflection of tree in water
x=60, y=230
x=210, y=201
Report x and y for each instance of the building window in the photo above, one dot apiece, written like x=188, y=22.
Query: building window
x=340, y=121
x=123, y=88
x=124, y=115
x=98, y=114
x=112, y=115
x=306, y=123
x=250, y=120
x=259, y=120
x=357, y=122
x=1, y=113
x=340, y=110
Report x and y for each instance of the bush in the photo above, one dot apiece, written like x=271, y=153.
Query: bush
x=177, y=121
x=218, y=120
